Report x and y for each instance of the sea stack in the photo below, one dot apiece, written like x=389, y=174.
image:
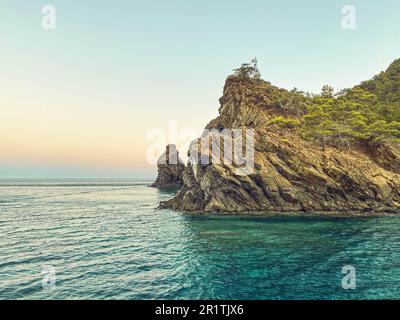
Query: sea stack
x=170, y=169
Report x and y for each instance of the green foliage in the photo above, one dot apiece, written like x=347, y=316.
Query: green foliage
x=354, y=115
x=248, y=70
x=294, y=103
x=386, y=85
x=289, y=123
x=327, y=91
x=368, y=113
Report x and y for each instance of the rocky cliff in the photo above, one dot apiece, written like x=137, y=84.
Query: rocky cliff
x=290, y=174
x=170, y=169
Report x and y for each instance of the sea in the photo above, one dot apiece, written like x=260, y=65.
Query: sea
x=105, y=239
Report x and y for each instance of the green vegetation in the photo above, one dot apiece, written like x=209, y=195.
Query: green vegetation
x=368, y=113
x=327, y=91
x=289, y=123
x=352, y=116
x=248, y=70
x=386, y=85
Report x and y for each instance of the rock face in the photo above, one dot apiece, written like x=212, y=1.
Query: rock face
x=290, y=174
x=170, y=169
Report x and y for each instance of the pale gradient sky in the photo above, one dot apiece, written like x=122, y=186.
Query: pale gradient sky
x=77, y=102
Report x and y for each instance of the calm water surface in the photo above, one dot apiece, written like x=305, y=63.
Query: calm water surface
x=105, y=240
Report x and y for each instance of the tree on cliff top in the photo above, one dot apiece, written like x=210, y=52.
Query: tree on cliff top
x=327, y=91
x=248, y=70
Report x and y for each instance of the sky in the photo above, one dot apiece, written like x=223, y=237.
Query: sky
x=84, y=99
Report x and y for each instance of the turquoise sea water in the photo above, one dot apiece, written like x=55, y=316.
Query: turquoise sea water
x=105, y=240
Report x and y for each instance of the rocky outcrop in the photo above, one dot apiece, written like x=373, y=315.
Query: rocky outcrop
x=170, y=169
x=290, y=174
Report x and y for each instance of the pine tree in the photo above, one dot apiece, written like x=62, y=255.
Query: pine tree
x=248, y=70
x=327, y=91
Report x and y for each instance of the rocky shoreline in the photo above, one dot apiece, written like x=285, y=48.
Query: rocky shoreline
x=270, y=214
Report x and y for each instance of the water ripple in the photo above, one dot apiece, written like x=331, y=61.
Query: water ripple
x=108, y=242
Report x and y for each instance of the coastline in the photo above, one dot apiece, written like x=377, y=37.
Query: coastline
x=311, y=214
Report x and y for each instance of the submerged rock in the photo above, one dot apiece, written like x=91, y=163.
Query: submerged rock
x=170, y=169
